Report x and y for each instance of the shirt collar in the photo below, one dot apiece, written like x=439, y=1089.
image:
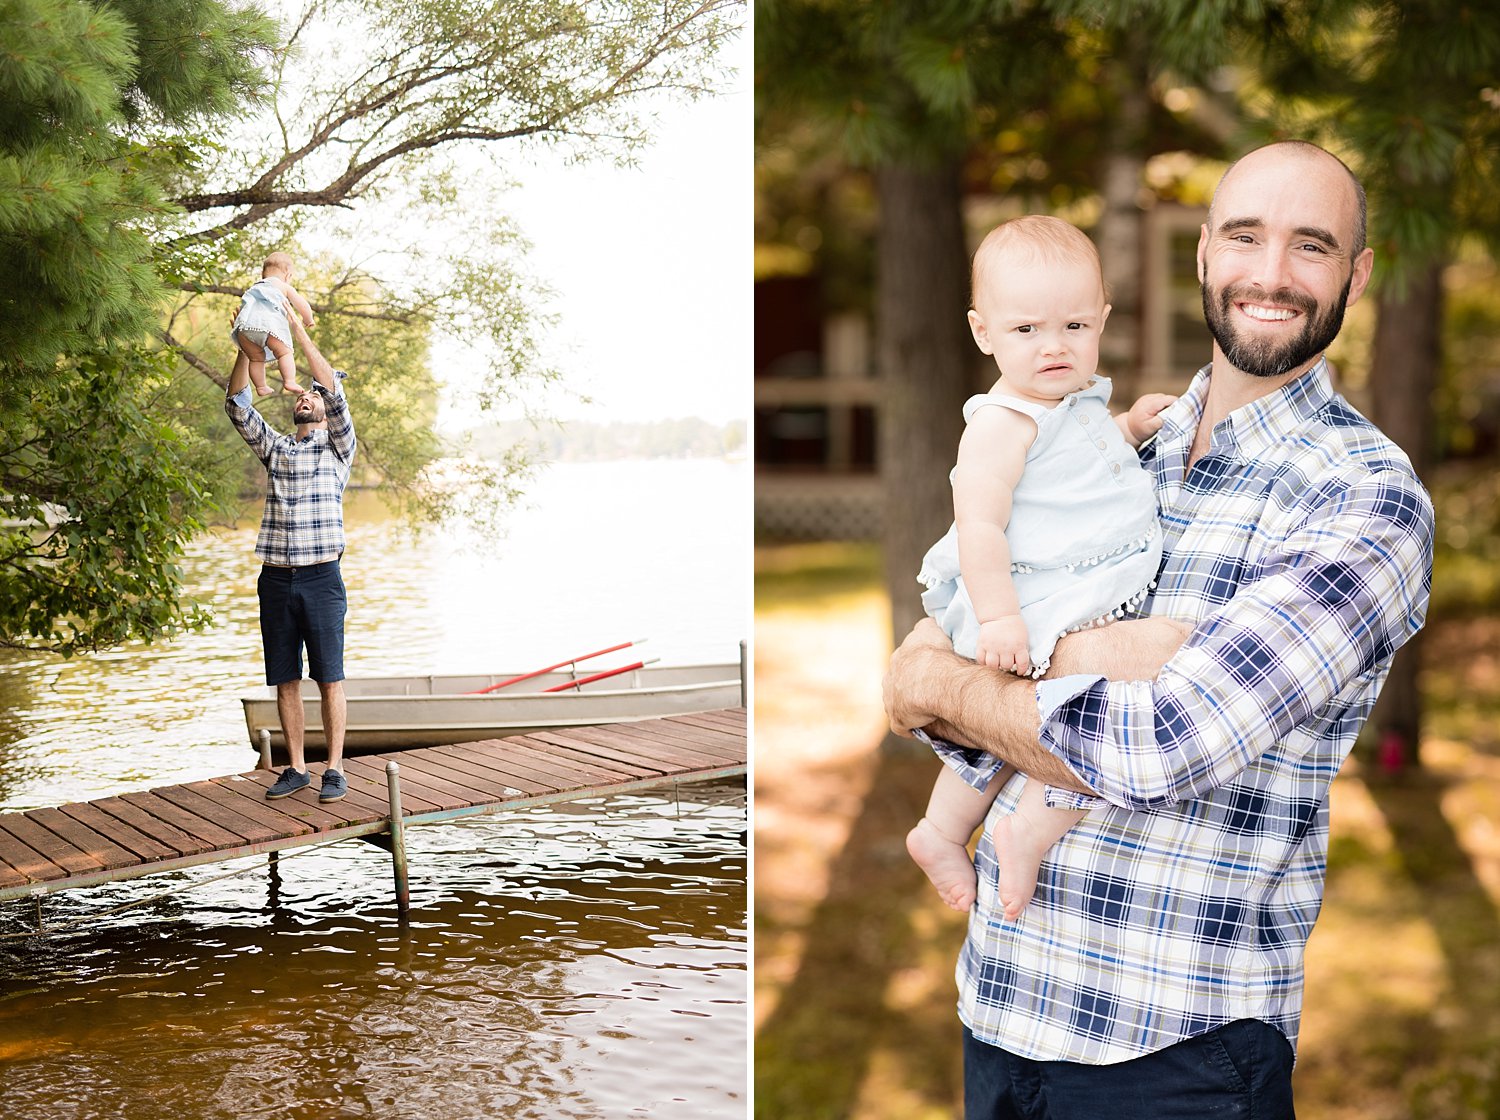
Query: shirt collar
x=1254, y=429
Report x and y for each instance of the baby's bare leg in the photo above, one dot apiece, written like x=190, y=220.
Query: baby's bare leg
x=939, y=842
x=1021, y=840
x=257, y=365
x=283, y=354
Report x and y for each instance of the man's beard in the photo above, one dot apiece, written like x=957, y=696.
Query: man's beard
x=304, y=416
x=1261, y=357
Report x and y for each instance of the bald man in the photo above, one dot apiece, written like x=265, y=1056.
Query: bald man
x=1158, y=971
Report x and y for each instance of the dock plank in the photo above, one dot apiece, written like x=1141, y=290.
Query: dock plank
x=412, y=786
x=512, y=756
x=350, y=810
x=87, y=840
x=489, y=787
x=489, y=755
x=656, y=756
x=549, y=757
x=159, y=829
x=733, y=720
x=432, y=776
x=10, y=877
x=673, y=743
x=699, y=740
x=522, y=754
x=33, y=865
x=248, y=829
x=48, y=844
x=169, y=811
x=142, y=845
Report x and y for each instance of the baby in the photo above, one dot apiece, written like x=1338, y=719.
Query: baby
x=1055, y=525
x=261, y=325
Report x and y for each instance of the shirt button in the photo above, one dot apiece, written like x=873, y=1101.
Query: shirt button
x=1083, y=419
x=1102, y=445
x=1115, y=467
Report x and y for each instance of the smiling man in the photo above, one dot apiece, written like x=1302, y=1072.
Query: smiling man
x=1158, y=971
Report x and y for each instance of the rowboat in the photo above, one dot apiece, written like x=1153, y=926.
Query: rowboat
x=393, y=713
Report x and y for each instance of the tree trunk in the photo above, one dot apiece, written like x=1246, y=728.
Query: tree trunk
x=1403, y=377
x=1119, y=231
x=924, y=357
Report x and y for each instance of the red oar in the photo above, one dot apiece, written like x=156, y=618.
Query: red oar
x=601, y=676
x=550, y=668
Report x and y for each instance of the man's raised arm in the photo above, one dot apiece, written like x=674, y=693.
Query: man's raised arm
x=239, y=377
x=317, y=365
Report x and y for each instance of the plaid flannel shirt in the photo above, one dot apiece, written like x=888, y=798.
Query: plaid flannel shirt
x=1300, y=546
x=303, y=522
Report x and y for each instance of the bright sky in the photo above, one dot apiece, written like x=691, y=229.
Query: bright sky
x=651, y=268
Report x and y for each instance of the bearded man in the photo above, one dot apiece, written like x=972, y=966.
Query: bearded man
x=1158, y=970
x=301, y=540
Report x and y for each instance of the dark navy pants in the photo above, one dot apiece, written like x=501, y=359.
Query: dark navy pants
x=1241, y=1071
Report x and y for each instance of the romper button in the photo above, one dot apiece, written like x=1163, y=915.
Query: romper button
x=1101, y=445
x=1115, y=467
x=1083, y=419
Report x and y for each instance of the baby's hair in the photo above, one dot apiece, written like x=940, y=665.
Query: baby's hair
x=277, y=262
x=1035, y=237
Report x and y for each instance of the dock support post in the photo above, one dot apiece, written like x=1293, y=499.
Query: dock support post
x=398, y=837
x=264, y=737
x=744, y=677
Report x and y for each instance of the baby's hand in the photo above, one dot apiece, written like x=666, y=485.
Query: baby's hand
x=1144, y=417
x=1002, y=645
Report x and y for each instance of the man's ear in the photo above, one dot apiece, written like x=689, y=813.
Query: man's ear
x=1359, y=278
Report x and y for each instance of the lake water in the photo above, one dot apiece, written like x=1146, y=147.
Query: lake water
x=582, y=960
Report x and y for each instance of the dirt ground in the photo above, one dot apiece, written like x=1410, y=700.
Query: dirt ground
x=854, y=955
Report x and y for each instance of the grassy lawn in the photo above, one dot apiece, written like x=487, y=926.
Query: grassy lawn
x=854, y=955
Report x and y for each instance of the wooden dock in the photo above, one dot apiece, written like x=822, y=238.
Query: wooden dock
x=218, y=819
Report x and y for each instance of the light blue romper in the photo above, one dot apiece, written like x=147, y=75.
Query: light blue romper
x=262, y=309
x=1085, y=543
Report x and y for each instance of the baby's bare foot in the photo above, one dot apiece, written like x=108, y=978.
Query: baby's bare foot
x=264, y=391
x=1018, y=858
x=946, y=863
x=292, y=387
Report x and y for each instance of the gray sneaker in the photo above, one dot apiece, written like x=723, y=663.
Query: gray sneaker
x=334, y=786
x=290, y=782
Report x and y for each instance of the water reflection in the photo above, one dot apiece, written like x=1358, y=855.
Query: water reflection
x=579, y=961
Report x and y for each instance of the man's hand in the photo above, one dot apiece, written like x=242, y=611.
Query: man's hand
x=924, y=654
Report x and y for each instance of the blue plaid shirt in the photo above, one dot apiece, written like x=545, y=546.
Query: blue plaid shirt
x=303, y=521
x=1300, y=546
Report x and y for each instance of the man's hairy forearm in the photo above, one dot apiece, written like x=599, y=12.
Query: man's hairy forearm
x=930, y=686
x=1122, y=651
x=317, y=365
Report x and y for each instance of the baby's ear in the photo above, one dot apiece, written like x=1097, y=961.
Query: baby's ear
x=981, y=335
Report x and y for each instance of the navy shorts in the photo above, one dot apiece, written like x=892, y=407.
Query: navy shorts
x=1242, y=1070
x=302, y=607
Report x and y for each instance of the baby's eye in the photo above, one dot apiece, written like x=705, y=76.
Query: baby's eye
x=1075, y=326
x=1025, y=328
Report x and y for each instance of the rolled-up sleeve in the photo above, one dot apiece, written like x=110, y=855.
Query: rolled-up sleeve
x=1327, y=608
